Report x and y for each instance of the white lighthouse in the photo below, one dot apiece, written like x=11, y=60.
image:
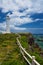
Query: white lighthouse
x=7, y=24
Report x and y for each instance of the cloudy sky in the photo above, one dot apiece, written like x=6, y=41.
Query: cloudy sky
x=25, y=15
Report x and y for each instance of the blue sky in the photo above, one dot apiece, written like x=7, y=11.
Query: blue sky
x=25, y=15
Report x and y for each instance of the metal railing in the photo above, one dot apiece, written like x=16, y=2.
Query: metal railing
x=23, y=52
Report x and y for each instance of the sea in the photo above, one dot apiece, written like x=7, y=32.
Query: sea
x=37, y=38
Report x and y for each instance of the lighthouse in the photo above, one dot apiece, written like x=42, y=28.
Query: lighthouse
x=7, y=24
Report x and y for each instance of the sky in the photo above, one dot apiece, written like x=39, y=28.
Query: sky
x=25, y=15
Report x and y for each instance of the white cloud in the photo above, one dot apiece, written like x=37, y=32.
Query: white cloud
x=33, y=6
x=19, y=21
x=3, y=27
x=38, y=19
x=15, y=5
x=18, y=28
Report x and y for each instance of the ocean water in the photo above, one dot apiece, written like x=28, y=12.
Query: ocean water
x=37, y=37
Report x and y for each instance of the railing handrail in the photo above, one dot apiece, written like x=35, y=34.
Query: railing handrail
x=31, y=57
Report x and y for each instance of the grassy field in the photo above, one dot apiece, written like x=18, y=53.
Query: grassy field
x=9, y=51
x=35, y=52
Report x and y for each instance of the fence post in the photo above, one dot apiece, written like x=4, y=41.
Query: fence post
x=33, y=58
x=21, y=51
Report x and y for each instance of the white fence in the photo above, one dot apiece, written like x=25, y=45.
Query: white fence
x=22, y=50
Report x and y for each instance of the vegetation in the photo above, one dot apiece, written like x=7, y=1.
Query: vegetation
x=9, y=51
x=33, y=49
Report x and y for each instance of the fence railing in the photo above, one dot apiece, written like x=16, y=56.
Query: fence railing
x=23, y=52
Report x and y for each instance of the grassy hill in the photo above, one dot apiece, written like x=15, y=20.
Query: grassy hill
x=34, y=51
x=9, y=51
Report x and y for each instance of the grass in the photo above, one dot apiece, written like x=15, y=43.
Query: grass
x=35, y=53
x=9, y=51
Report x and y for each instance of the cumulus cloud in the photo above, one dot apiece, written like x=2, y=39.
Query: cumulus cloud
x=18, y=28
x=19, y=21
x=3, y=26
x=21, y=8
x=16, y=5
x=12, y=27
x=32, y=5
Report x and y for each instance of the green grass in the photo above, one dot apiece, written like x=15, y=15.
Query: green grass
x=23, y=40
x=9, y=51
x=35, y=53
